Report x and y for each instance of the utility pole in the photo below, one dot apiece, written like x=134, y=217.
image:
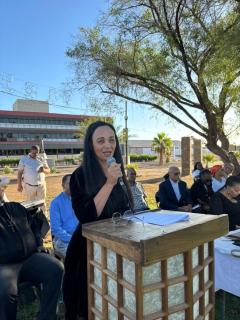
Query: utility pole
x=126, y=133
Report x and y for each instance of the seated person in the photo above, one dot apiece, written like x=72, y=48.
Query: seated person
x=173, y=193
x=218, y=177
x=198, y=167
x=62, y=218
x=3, y=184
x=137, y=190
x=22, y=259
x=201, y=191
x=226, y=201
x=228, y=169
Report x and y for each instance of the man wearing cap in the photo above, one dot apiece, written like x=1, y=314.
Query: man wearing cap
x=31, y=175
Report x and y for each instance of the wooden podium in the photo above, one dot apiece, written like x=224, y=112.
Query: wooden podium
x=141, y=271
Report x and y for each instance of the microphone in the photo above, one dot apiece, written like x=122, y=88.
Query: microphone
x=110, y=161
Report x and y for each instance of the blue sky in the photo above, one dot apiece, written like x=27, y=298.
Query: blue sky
x=34, y=35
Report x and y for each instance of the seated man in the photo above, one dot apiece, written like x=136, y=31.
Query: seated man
x=3, y=184
x=22, y=260
x=228, y=169
x=173, y=193
x=201, y=191
x=137, y=190
x=62, y=218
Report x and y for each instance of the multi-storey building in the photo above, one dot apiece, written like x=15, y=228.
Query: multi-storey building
x=19, y=130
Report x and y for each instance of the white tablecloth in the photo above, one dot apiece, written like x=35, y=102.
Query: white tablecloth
x=227, y=267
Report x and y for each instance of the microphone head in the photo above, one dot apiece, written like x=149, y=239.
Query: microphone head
x=110, y=161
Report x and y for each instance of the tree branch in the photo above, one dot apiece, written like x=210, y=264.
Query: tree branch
x=156, y=106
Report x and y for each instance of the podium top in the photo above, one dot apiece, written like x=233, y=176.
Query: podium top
x=148, y=243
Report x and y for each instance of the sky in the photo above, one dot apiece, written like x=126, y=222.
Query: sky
x=34, y=36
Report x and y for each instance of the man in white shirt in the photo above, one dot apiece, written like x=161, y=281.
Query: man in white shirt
x=173, y=193
x=31, y=175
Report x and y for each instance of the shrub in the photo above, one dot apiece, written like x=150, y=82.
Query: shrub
x=142, y=157
x=132, y=165
x=7, y=170
x=53, y=169
x=9, y=162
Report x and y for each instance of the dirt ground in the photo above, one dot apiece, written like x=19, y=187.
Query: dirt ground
x=149, y=174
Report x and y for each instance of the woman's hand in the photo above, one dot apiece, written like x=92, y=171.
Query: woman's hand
x=113, y=173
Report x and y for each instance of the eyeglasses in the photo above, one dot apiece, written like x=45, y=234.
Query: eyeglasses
x=176, y=173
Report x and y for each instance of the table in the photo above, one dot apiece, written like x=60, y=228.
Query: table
x=227, y=275
x=227, y=266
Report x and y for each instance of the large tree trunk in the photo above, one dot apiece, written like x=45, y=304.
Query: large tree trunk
x=226, y=156
x=161, y=157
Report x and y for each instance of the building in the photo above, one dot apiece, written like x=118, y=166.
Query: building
x=145, y=147
x=22, y=128
x=140, y=147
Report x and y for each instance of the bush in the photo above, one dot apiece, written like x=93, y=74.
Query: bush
x=53, y=170
x=7, y=170
x=142, y=157
x=9, y=162
x=132, y=165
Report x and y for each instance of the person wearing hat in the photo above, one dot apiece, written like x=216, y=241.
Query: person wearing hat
x=218, y=177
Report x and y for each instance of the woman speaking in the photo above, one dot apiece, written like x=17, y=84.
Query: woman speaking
x=96, y=194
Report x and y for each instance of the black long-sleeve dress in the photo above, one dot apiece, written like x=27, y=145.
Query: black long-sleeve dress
x=221, y=205
x=75, y=278
x=202, y=192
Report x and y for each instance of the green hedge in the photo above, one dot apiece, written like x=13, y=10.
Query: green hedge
x=9, y=162
x=142, y=157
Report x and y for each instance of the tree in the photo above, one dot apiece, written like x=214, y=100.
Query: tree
x=168, y=150
x=86, y=123
x=208, y=158
x=162, y=143
x=180, y=57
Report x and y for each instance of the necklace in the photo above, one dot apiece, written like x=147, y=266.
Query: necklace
x=10, y=223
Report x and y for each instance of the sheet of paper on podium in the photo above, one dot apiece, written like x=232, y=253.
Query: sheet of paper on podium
x=161, y=219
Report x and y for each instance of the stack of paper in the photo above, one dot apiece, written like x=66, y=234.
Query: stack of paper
x=161, y=219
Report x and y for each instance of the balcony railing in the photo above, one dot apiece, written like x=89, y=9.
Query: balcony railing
x=37, y=126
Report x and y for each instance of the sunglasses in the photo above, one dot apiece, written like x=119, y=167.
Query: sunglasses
x=176, y=173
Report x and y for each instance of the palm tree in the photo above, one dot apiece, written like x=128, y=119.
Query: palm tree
x=168, y=150
x=162, y=144
x=208, y=158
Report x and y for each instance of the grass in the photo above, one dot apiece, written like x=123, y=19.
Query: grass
x=232, y=306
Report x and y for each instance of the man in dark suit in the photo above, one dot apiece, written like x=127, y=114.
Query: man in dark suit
x=173, y=193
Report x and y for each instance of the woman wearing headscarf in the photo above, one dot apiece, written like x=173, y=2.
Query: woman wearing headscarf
x=218, y=177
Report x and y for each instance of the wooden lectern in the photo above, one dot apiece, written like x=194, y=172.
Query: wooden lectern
x=141, y=271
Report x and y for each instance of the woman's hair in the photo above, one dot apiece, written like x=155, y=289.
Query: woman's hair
x=196, y=164
x=93, y=173
x=166, y=176
x=203, y=172
x=232, y=181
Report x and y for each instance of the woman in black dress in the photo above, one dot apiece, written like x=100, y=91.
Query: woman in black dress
x=96, y=194
x=226, y=201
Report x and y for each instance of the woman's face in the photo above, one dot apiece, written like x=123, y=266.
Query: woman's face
x=104, y=143
x=199, y=166
x=234, y=191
